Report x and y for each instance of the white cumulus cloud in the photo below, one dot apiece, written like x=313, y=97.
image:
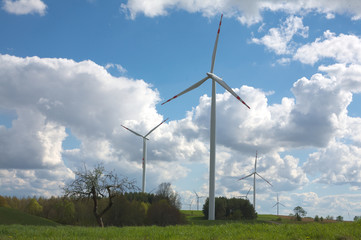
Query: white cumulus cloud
x=342, y=48
x=278, y=39
x=22, y=7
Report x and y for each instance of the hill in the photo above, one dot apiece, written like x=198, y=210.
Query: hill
x=10, y=216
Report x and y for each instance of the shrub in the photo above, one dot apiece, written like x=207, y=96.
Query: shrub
x=126, y=213
x=232, y=209
x=162, y=213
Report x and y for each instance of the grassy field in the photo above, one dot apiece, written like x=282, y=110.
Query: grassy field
x=198, y=228
x=219, y=231
x=11, y=216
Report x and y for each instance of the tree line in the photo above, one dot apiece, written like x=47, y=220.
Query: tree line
x=88, y=199
x=128, y=209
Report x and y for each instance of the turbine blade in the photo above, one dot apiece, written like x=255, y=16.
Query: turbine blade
x=264, y=179
x=225, y=86
x=282, y=204
x=255, y=163
x=248, y=191
x=215, y=45
x=188, y=89
x=246, y=176
x=275, y=205
x=196, y=193
x=155, y=127
x=133, y=131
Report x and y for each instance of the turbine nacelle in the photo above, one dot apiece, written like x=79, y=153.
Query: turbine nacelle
x=225, y=86
x=214, y=77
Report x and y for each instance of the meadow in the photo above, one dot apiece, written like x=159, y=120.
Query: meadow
x=266, y=227
x=219, y=231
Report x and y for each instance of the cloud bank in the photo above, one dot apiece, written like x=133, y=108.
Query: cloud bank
x=247, y=12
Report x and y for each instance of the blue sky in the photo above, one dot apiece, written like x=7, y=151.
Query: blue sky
x=72, y=72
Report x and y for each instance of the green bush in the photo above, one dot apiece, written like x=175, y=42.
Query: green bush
x=233, y=209
x=126, y=213
x=162, y=213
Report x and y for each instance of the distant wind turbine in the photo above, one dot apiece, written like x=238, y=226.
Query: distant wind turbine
x=277, y=204
x=198, y=197
x=245, y=196
x=248, y=192
x=144, y=149
x=254, y=181
x=215, y=78
x=189, y=204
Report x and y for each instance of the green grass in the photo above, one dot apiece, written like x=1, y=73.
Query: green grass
x=330, y=231
x=198, y=228
x=197, y=218
x=12, y=216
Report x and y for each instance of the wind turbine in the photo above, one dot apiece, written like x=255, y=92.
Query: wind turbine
x=278, y=203
x=254, y=181
x=198, y=197
x=244, y=196
x=189, y=204
x=144, y=149
x=248, y=192
x=215, y=78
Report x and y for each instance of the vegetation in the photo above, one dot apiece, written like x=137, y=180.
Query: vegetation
x=236, y=218
x=231, y=209
x=98, y=184
x=339, y=218
x=299, y=213
x=3, y=202
x=10, y=216
x=165, y=191
x=236, y=230
x=130, y=209
x=162, y=213
x=329, y=217
x=198, y=228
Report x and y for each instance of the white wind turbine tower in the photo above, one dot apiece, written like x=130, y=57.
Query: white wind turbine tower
x=278, y=203
x=198, y=197
x=212, y=163
x=254, y=181
x=144, y=149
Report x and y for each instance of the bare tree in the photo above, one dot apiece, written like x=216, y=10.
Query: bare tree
x=166, y=191
x=97, y=184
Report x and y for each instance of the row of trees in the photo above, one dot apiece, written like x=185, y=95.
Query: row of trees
x=127, y=210
x=88, y=199
x=300, y=212
x=232, y=209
